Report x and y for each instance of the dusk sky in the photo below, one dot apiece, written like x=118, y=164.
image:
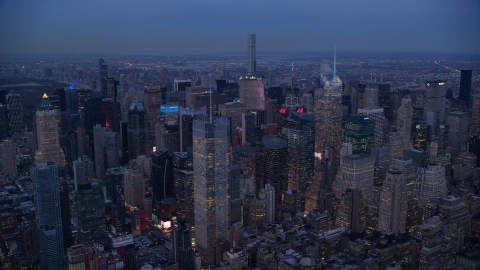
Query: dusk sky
x=161, y=27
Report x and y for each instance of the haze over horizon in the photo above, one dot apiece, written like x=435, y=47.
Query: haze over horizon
x=214, y=26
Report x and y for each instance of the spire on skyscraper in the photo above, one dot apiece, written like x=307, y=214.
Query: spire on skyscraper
x=45, y=104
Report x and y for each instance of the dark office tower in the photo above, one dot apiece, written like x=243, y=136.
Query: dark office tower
x=475, y=123
x=138, y=131
x=152, y=98
x=351, y=211
x=384, y=100
x=371, y=95
x=102, y=76
x=48, y=214
x=60, y=92
x=68, y=239
x=186, y=135
x=299, y=133
x=251, y=133
x=435, y=92
x=3, y=94
x=183, y=251
x=112, y=86
x=183, y=179
x=90, y=213
x=361, y=95
x=14, y=115
x=274, y=153
x=465, y=87
x=474, y=146
x=419, y=157
x=97, y=111
x=114, y=183
x=71, y=151
x=161, y=176
x=117, y=221
x=252, y=62
x=360, y=132
x=3, y=122
x=346, y=105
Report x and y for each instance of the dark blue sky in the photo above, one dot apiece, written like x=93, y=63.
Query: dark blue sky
x=200, y=26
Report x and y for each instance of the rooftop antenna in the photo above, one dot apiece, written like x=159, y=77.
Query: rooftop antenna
x=335, y=66
x=371, y=75
x=375, y=77
x=381, y=78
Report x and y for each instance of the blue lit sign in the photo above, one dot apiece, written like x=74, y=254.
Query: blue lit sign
x=169, y=108
x=72, y=85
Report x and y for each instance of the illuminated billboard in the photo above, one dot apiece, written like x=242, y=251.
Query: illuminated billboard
x=169, y=108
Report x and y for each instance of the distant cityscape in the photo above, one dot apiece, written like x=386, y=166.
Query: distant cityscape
x=233, y=161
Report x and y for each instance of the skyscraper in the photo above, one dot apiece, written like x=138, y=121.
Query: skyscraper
x=384, y=101
x=252, y=61
x=210, y=167
x=138, y=131
x=377, y=116
x=8, y=158
x=152, y=96
x=183, y=251
x=251, y=92
x=47, y=134
x=435, y=92
x=431, y=183
x=357, y=172
x=465, y=87
x=360, y=132
x=351, y=211
x=90, y=205
x=299, y=133
x=48, y=213
x=404, y=121
x=134, y=186
x=102, y=76
x=371, y=95
x=393, y=203
x=82, y=170
x=3, y=121
x=271, y=158
x=15, y=114
x=458, y=123
x=475, y=126
x=183, y=179
x=328, y=117
x=161, y=175
x=99, y=150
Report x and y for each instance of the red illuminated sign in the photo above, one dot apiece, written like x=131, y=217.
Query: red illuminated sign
x=283, y=110
x=299, y=110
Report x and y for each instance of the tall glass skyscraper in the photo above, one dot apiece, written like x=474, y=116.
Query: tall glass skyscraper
x=299, y=133
x=91, y=213
x=48, y=214
x=360, y=132
x=252, y=62
x=14, y=115
x=102, y=76
x=138, y=131
x=210, y=167
x=466, y=87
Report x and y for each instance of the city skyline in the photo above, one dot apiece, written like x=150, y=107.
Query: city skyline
x=55, y=27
